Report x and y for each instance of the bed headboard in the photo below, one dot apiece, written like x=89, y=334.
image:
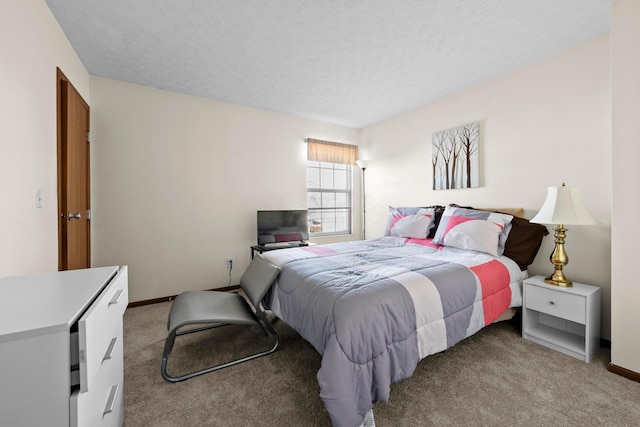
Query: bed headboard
x=519, y=212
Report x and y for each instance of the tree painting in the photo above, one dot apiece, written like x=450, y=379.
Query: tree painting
x=455, y=157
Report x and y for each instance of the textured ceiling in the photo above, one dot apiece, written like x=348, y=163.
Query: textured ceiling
x=348, y=62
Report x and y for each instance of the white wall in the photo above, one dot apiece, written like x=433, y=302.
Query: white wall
x=625, y=69
x=177, y=181
x=542, y=125
x=32, y=45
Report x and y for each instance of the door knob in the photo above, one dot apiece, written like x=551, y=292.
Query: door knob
x=72, y=216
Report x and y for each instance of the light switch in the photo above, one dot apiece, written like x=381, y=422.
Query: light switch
x=38, y=198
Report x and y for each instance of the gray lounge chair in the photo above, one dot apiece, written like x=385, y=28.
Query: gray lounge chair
x=216, y=308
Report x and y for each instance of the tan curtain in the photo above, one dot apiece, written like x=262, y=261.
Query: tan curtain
x=331, y=152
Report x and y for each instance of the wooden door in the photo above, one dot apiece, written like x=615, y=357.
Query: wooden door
x=73, y=178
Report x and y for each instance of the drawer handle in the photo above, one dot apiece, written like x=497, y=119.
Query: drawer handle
x=116, y=297
x=552, y=302
x=112, y=347
x=111, y=402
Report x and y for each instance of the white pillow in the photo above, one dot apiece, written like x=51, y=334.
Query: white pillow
x=415, y=226
x=474, y=230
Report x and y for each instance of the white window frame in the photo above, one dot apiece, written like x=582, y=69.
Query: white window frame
x=329, y=211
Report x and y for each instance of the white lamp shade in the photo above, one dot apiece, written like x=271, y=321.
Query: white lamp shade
x=363, y=164
x=564, y=205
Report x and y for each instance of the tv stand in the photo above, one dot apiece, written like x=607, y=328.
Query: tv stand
x=274, y=246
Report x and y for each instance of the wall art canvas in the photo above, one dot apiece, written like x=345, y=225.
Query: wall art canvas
x=455, y=157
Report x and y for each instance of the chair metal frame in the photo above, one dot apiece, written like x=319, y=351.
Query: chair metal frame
x=255, y=283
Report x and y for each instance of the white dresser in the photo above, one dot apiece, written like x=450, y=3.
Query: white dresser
x=61, y=355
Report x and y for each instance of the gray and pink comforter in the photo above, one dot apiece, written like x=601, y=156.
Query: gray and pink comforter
x=374, y=308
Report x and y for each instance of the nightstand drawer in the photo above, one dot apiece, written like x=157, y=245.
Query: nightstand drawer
x=556, y=303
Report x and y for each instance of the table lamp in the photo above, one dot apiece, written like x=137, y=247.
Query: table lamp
x=563, y=206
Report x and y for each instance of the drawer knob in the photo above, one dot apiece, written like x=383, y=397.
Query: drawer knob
x=552, y=302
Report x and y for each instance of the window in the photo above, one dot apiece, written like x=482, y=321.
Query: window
x=329, y=183
x=329, y=198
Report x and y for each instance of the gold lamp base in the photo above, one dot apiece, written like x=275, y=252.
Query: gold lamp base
x=561, y=281
x=559, y=259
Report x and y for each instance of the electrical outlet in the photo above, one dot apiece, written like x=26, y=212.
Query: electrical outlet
x=229, y=263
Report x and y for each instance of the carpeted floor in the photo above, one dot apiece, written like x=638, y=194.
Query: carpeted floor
x=493, y=378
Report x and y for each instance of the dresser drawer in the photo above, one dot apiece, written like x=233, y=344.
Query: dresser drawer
x=99, y=328
x=556, y=303
x=102, y=405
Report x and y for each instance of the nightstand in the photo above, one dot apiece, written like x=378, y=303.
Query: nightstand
x=564, y=319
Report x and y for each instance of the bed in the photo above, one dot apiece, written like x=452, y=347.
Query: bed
x=374, y=308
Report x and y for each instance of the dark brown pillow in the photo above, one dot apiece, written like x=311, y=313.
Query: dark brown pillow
x=524, y=241
x=436, y=220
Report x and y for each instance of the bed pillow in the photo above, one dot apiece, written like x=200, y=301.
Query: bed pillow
x=473, y=230
x=524, y=241
x=414, y=223
x=525, y=238
x=439, y=210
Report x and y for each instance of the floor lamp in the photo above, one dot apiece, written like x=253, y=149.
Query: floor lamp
x=363, y=164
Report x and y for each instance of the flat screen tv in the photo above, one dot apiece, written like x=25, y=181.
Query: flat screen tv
x=282, y=226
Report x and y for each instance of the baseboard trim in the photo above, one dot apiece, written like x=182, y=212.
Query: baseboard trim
x=172, y=297
x=627, y=373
